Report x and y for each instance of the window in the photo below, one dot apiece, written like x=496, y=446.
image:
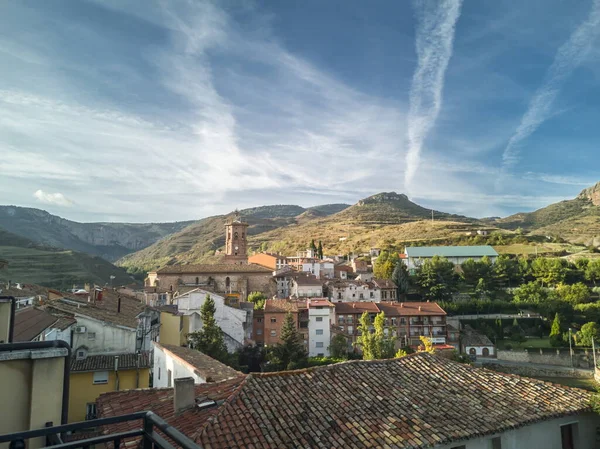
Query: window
x=197, y=280
x=273, y=333
x=319, y=332
x=496, y=443
x=320, y=354
x=342, y=328
x=100, y=377
x=169, y=377
x=227, y=282
x=258, y=331
x=319, y=318
x=354, y=295
x=273, y=320
x=90, y=411
x=349, y=320
x=259, y=320
x=567, y=435
x=91, y=335
x=350, y=329
x=372, y=294
x=339, y=296
x=318, y=344
x=180, y=323
x=159, y=373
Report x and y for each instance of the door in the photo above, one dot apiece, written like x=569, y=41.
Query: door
x=486, y=352
x=566, y=434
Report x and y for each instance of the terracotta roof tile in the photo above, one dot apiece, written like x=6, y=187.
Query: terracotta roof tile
x=383, y=283
x=207, y=367
x=214, y=268
x=355, y=307
x=282, y=306
x=31, y=322
x=102, y=362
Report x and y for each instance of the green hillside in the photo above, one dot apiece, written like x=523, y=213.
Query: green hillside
x=29, y=262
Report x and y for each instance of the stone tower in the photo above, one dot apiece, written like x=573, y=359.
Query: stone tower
x=236, y=241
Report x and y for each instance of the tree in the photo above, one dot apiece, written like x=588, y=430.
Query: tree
x=575, y=294
x=374, y=344
x=209, y=339
x=588, y=332
x=258, y=299
x=320, y=250
x=437, y=278
x=313, y=247
x=339, y=347
x=400, y=278
x=592, y=271
x=555, y=331
x=506, y=271
x=549, y=271
x=400, y=353
x=427, y=344
x=250, y=359
x=290, y=352
x=385, y=264
x=530, y=293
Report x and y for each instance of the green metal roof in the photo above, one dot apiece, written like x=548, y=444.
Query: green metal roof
x=451, y=251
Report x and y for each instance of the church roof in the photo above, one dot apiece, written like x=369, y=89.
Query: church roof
x=214, y=269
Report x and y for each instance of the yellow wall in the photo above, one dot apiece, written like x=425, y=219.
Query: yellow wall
x=172, y=332
x=83, y=391
x=4, y=321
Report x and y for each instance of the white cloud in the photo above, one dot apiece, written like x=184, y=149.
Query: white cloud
x=568, y=57
x=434, y=40
x=54, y=199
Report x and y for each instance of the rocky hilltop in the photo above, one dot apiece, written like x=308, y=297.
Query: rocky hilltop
x=592, y=194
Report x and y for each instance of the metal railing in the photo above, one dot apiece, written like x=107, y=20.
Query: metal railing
x=147, y=432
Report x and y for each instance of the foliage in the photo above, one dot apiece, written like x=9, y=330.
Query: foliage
x=507, y=271
x=339, y=347
x=592, y=271
x=437, y=278
x=588, y=332
x=323, y=361
x=374, y=345
x=556, y=332
x=400, y=277
x=249, y=359
x=400, y=353
x=549, y=271
x=531, y=292
x=320, y=250
x=258, y=299
x=209, y=339
x=313, y=247
x=576, y=293
x=427, y=344
x=290, y=353
x=475, y=273
x=385, y=264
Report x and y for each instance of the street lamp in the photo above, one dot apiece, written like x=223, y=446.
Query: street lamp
x=570, y=348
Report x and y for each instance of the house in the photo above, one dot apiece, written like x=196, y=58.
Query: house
x=258, y=327
x=321, y=269
x=174, y=362
x=407, y=321
x=62, y=329
x=387, y=289
x=306, y=286
x=340, y=271
x=283, y=281
x=420, y=401
x=114, y=323
x=359, y=265
x=32, y=324
x=351, y=291
x=321, y=316
x=274, y=316
x=269, y=260
x=92, y=375
x=475, y=343
x=302, y=257
x=416, y=255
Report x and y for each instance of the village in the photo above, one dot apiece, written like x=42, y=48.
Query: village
x=192, y=334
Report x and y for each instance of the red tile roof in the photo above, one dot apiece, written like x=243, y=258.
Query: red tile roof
x=391, y=308
x=31, y=322
x=214, y=268
x=102, y=362
x=319, y=302
x=308, y=279
x=355, y=307
x=383, y=283
x=281, y=306
x=415, y=402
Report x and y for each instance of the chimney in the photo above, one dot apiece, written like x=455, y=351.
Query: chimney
x=116, y=363
x=119, y=304
x=184, y=396
x=354, y=306
x=419, y=308
x=401, y=304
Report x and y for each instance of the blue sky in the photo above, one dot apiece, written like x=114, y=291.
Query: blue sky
x=172, y=110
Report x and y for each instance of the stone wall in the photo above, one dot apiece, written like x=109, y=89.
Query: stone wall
x=533, y=371
x=559, y=357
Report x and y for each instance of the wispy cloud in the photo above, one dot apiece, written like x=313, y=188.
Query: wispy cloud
x=54, y=199
x=570, y=55
x=434, y=40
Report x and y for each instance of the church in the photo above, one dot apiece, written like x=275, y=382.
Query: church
x=233, y=277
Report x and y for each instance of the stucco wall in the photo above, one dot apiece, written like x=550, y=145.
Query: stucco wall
x=479, y=350
x=111, y=339
x=164, y=361
x=549, y=357
x=172, y=329
x=83, y=391
x=543, y=435
x=537, y=371
x=325, y=325
x=57, y=334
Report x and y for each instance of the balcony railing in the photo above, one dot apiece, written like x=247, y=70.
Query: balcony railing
x=150, y=424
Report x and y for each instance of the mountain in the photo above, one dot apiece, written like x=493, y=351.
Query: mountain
x=31, y=262
x=576, y=220
x=108, y=240
x=379, y=220
x=198, y=241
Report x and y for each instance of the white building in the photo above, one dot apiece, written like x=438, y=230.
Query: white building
x=307, y=286
x=174, y=362
x=321, y=316
x=351, y=291
x=283, y=280
x=477, y=344
x=321, y=269
x=416, y=255
x=236, y=322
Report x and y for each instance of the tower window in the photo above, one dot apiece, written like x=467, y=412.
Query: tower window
x=235, y=236
x=227, y=282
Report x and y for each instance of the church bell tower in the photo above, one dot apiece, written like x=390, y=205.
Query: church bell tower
x=236, y=241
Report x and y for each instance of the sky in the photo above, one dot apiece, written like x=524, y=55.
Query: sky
x=173, y=110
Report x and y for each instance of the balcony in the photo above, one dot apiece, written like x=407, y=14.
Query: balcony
x=147, y=432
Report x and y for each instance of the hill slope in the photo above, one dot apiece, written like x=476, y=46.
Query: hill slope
x=380, y=220
x=30, y=262
x=576, y=220
x=108, y=240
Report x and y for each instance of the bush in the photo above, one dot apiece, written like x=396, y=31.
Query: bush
x=508, y=346
x=323, y=361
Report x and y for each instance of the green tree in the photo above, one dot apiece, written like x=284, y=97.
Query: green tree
x=400, y=353
x=401, y=279
x=555, y=331
x=373, y=342
x=258, y=299
x=312, y=246
x=471, y=272
x=549, y=271
x=338, y=348
x=290, y=352
x=530, y=293
x=582, y=263
x=320, y=250
x=588, y=332
x=385, y=264
x=209, y=339
x=506, y=271
x=427, y=344
x=592, y=271
x=575, y=294
x=437, y=278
